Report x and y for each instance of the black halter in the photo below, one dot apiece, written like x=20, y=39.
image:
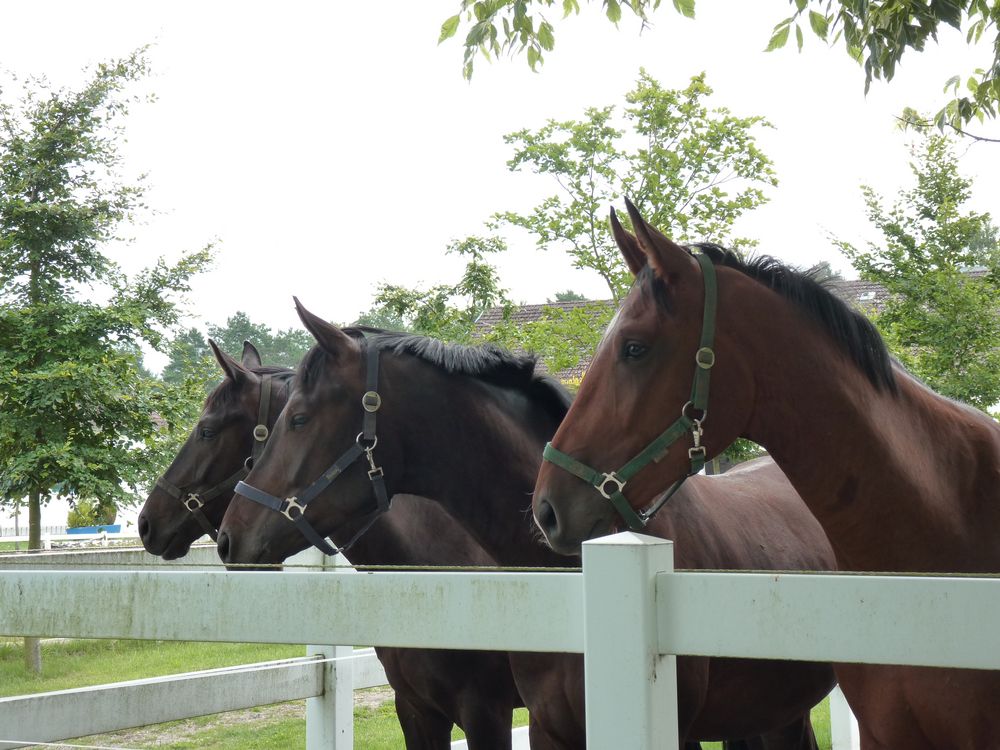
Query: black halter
x=293, y=508
x=195, y=501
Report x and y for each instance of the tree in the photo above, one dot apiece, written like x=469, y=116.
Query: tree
x=941, y=268
x=79, y=417
x=446, y=311
x=567, y=296
x=695, y=170
x=875, y=33
x=282, y=348
x=186, y=350
x=78, y=412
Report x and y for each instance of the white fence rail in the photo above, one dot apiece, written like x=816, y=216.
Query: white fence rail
x=628, y=612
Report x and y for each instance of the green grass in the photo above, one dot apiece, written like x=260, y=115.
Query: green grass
x=78, y=663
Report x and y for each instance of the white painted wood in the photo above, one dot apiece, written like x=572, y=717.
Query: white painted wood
x=631, y=690
x=62, y=714
x=844, y=732
x=518, y=737
x=495, y=611
x=921, y=620
x=99, y=709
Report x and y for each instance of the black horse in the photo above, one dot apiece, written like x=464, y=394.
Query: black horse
x=434, y=688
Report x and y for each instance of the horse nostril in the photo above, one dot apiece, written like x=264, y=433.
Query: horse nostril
x=143, y=527
x=223, y=546
x=546, y=518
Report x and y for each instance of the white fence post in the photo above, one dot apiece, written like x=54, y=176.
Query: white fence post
x=330, y=717
x=843, y=726
x=631, y=691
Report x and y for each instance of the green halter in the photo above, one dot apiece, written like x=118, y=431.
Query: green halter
x=611, y=484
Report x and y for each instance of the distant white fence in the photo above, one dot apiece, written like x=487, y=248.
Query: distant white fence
x=629, y=613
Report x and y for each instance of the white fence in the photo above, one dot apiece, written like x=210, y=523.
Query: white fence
x=628, y=612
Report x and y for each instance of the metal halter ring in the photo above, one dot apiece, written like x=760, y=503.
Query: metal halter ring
x=371, y=401
x=248, y=463
x=613, y=478
x=361, y=436
x=193, y=502
x=705, y=358
x=290, y=503
x=690, y=405
x=260, y=433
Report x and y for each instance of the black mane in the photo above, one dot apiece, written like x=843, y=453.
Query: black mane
x=851, y=330
x=487, y=362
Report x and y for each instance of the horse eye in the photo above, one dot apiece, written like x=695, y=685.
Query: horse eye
x=299, y=419
x=207, y=433
x=633, y=350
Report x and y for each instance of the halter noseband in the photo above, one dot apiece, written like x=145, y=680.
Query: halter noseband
x=293, y=508
x=611, y=484
x=195, y=501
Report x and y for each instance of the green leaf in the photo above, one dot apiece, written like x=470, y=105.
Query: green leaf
x=533, y=57
x=448, y=28
x=798, y=36
x=820, y=24
x=685, y=7
x=570, y=6
x=952, y=83
x=779, y=39
x=545, y=37
x=801, y=5
x=613, y=10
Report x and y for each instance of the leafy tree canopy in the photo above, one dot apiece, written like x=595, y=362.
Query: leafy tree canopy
x=446, y=311
x=876, y=33
x=941, y=267
x=283, y=348
x=79, y=417
x=693, y=169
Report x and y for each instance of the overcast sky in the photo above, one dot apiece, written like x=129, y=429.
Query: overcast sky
x=328, y=147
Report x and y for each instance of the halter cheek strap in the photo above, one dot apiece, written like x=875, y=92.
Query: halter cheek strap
x=692, y=416
x=195, y=501
x=293, y=508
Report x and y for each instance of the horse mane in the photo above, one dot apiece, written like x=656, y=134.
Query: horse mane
x=849, y=328
x=486, y=362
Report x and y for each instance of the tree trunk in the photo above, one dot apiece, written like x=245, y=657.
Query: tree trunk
x=33, y=646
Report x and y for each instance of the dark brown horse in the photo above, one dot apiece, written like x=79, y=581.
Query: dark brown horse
x=434, y=688
x=901, y=479
x=466, y=426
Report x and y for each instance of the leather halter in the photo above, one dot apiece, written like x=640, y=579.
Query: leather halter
x=610, y=484
x=293, y=508
x=195, y=501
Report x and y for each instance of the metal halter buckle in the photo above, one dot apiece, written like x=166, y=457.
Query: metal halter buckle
x=371, y=401
x=260, y=433
x=193, y=502
x=290, y=504
x=698, y=450
x=613, y=478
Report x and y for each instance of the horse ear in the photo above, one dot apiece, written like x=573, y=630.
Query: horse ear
x=233, y=369
x=327, y=335
x=251, y=357
x=666, y=257
x=628, y=245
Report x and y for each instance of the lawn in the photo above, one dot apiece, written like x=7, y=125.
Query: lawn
x=68, y=664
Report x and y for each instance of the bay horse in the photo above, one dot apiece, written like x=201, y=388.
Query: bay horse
x=434, y=688
x=901, y=479
x=465, y=426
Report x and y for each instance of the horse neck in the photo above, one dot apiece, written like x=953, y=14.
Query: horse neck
x=476, y=449
x=877, y=466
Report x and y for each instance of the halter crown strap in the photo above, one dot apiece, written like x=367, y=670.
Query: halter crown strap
x=293, y=508
x=611, y=484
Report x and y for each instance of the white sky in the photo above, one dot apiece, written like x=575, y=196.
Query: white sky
x=328, y=147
